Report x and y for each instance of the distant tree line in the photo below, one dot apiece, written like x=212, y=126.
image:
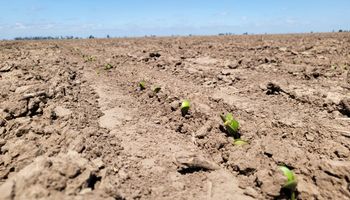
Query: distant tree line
x=47, y=38
x=222, y=34
x=108, y=36
x=55, y=38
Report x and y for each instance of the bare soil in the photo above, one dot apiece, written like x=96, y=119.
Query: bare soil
x=74, y=123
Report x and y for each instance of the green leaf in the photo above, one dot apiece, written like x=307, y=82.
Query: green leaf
x=108, y=66
x=185, y=106
x=142, y=85
x=239, y=142
x=291, y=180
x=231, y=125
x=227, y=117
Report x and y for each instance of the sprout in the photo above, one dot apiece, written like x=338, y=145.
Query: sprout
x=231, y=125
x=185, y=106
x=156, y=89
x=291, y=183
x=239, y=142
x=142, y=85
x=89, y=58
x=108, y=66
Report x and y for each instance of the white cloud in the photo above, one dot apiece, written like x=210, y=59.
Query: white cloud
x=19, y=26
x=291, y=21
x=48, y=26
x=222, y=14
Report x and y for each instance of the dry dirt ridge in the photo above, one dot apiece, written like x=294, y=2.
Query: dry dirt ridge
x=74, y=123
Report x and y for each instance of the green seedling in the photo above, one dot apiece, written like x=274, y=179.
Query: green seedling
x=89, y=58
x=185, y=106
x=231, y=125
x=156, y=89
x=142, y=85
x=291, y=183
x=239, y=142
x=108, y=66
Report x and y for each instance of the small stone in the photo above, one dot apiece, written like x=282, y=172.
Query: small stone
x=23, y=89
x=263, y=87
x=99, y=163
x=271, y=182
x=249, y=191
x=86, y=191
x=226, y=72
x=309, y=137
x=6, y=68
x=203, y=131
x=232, y=65
x=175, y=105
x=62, y=112
x=194, y=161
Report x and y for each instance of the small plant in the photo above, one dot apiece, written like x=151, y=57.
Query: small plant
x=291, y=183
x=142, y=85
x=239, y=142
x=156, y=89
x=185, y=106
x=108, y=66
x=89, y=58
x=231, y=125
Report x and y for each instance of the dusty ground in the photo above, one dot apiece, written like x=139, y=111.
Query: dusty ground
x=75, y=125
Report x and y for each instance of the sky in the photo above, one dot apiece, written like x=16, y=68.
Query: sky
x=19, y=18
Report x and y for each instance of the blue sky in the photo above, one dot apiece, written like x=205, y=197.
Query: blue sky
x=164, y=17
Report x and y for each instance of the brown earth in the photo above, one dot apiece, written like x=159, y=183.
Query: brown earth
x=75, y=125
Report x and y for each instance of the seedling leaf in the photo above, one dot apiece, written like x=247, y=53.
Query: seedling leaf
x=231, y=125
x=108, y=66
x=156, y=89
x=142, y=85
x=227, y=117
x=185, y=106
x=239, y=142
x=291, y=183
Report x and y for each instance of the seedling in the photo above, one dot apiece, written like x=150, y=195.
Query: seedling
x=142, y=85
x=156, y=89
x=239, y=142
x=291, y=183
x=231, y=125
x=89, y=58
x=108, y=66
x=185, y=106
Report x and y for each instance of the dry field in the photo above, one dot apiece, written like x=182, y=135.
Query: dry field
x=74, y=123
